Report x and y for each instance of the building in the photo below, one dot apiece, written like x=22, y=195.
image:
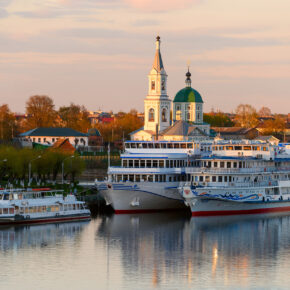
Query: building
x=187, y=123
x=235, y=133
x=48, y=136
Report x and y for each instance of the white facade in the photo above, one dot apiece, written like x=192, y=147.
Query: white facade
x=157, y=104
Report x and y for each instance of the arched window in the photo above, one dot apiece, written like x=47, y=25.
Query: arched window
x=152, y=85
x=151, y=115
x=163, y=85
x=188, y=113
x=164, y=117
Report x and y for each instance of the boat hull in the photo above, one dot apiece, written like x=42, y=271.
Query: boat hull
x=43, y=220
x=126, y=198
x=212, y=207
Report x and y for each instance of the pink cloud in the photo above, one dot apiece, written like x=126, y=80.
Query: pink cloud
x=160, y=5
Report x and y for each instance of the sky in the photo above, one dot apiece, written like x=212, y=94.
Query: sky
x=98, y=53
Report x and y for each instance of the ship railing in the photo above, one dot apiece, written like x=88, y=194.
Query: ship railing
x=238, y=184
x=237, y=170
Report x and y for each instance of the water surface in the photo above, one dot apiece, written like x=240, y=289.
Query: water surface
x=148, y=251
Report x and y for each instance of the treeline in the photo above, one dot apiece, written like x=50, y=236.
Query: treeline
x=44, y=165
x=41, y=112
x=247, y=116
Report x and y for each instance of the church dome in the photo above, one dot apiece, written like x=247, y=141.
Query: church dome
x=188, y=94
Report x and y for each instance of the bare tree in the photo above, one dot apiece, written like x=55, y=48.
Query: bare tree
x=265, y=112
x=246, y=116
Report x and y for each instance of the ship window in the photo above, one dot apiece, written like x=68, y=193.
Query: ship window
x=171, y=163
x=137, y=178
x=183, y=145
x=125, y=177
x=229, y=148
x=222, y=164
x=155, y=163
x=133, y=145
x=176, y=145
x=247, y=148
x=235, y=165
x=150, y=178
x=130, y=163
x=226, y=179
x=230, y=179
x=228, y=164
x=167, y=164
x=136, y=163
x=169, y=145
x=240, y=164
x=265, y=148
x=142, y=163
x=220, y=179
x=119, y=178
x=150, y=145
x=214, y=179
x=189, y=145
x=127, y=145
x=11, y=210
x=5, y=210
x=201, y=178
x=144, y=145
x=161, y=163
x=148, y=163
x=131, y=178
x=163, y=145
x=144, y=177
x=207, y=178
x=238, y=147
x=125, y=163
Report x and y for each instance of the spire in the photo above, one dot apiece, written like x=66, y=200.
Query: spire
x=158, y=64
x=188, y=79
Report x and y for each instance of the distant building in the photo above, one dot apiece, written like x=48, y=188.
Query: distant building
x=63, y=145
x=48, y=136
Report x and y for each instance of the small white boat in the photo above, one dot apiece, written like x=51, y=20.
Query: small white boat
x=28, y=207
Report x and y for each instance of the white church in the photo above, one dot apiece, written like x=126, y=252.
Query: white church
x=187, y=109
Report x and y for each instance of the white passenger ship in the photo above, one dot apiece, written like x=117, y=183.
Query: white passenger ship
x=150, y=174
x=27, y=207
x=240, y=178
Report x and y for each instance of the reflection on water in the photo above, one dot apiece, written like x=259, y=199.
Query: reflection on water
x=148, y=251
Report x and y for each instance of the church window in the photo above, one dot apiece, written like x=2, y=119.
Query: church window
x=188, y=116
x=151, y=115
x=198, y=116
x=178, y=108
x=164, y=117
x=152, y=85
x=163, y=85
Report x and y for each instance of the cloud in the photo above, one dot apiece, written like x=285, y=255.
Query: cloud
x=160, y=5
x=3, y=13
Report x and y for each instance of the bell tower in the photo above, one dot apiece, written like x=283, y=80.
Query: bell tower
x=157, y=104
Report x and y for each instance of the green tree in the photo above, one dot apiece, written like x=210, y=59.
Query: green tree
x=218, y=120
x=41, y=112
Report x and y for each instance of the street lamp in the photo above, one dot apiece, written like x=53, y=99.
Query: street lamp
x=62, y=166
x=29, y=168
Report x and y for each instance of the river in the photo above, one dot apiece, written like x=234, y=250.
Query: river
x=148, y=251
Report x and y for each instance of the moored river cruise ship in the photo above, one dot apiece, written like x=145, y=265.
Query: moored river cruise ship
x=150, y=174
x=30, y=207
x=240, y=177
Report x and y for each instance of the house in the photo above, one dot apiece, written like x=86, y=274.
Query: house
x=269, y=139
x=63, y=145
x=236, y=133
x=48, y=136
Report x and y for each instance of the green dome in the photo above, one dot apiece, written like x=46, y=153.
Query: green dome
x=188, y=94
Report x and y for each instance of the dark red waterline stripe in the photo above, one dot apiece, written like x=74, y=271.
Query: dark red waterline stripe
x=237, y=212
x=128, y=211
x=45, y=220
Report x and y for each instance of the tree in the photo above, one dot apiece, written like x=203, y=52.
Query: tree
x=75, y=117
x=218, y=120
x=274, y=127
x=264, y=112
x=246, y=116
x=7, y=123
x=40, y=111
